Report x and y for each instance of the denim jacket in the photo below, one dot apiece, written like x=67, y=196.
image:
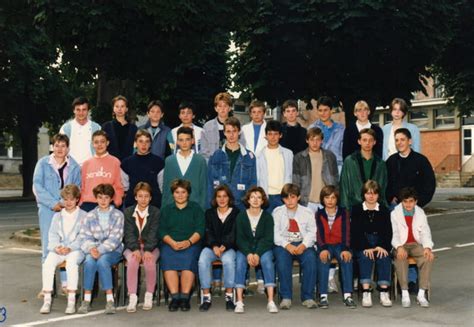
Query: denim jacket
x=105, y=241
x=47, y=183
x=160, y=142
x=57, y=237
x=334, y=143
x=262, y=167
x=243, y=177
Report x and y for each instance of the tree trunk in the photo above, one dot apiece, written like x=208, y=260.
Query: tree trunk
x=29, y=128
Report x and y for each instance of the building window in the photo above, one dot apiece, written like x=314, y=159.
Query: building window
x=387, y=118
x=419, y=118
x=444, y=118
x=467, y=142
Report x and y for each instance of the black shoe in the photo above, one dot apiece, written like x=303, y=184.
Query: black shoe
x=229, y=305
x=205, y=306
x=412, y=288
x=174, y=305
x=349, y=302
x=323, y=303
x=185, y=305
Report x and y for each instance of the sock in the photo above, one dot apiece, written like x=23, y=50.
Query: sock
x=132, y=296
x=421, y=293
x=229, y=296
x=324, y=296
x=109, y=297
x=405, y=293
x=64, y=284
x=87, y=297
x=260, y=281
x=206, y=297
x=332, y=273
x=148, y=294
x=47, y=297
x=184, y=296
x=71, y=297
x=346, y=295
x=175, y=296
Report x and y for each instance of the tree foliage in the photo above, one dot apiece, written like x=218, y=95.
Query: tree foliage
x=347, y=49
x=32, y=87
x=455, y=65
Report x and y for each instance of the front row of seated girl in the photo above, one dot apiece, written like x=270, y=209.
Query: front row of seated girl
x=187, y=241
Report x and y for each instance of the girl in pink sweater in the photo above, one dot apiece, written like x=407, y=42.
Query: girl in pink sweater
x=103, y=168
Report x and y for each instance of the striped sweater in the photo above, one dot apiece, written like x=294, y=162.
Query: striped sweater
x=92, y=235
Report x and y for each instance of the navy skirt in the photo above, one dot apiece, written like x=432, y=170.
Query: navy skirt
x=179, y=260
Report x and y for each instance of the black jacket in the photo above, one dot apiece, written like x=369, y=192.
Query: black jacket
x=218, y=233
x=149, y=232
x=361, y=225
x=414, y=171
x=114, y=147
x=293, y=138
x=351, y=135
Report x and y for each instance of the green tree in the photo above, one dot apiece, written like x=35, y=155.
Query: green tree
x=455, y=65
x=32, y=88
x=369, y=49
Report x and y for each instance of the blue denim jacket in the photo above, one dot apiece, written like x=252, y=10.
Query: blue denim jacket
x=333, y=143
x=47, y=183
x=243, y=177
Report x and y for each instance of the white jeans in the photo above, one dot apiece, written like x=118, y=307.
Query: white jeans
x=73, y=260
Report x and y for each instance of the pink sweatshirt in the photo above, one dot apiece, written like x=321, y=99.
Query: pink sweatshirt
x=102, y=170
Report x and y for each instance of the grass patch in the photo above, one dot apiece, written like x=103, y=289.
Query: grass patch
x=11, y=181
x=462, y=198
x=33, y=232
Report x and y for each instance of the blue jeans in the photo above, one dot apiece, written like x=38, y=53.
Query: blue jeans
x=284, y=266
x=346, y=270
x=274, y=201
x=384, y=265
x=104, y=266
x=266, y=262
x=205, y=267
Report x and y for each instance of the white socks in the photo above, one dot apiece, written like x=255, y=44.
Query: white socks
x=109, y=297
x=71, y=297
x=47, y=297
x=87, y=297
x=346, y=295
x=405, y=293
x=421, y=293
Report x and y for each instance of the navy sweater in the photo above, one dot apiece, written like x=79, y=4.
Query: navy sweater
x=143, y=168
x=116, y=147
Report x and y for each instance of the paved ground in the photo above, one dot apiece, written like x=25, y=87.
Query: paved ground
x=452, y=296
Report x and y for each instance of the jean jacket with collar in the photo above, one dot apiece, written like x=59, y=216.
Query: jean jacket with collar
x=243, y=177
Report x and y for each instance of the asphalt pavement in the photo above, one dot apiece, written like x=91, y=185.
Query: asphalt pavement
x=451, y=301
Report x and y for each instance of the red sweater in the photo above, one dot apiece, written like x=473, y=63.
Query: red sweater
x=409, y=221
x=104, y=170
x=338, y=234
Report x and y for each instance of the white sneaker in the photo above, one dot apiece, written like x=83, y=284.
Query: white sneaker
x=332, y=286
x=70, y=308
x=132, y=303
x=367, y=299
x=148, y=303
x=385, y=299
x=239, y=307
x=46, y=308
x=285, y=304
x=406, y=303
x=422, y=301
x=260, y=287
x=271, y=307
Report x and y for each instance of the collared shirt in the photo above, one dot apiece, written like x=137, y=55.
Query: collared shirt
x=365, y=208
x=184, y=162
x=361, y=127
x=80, y=141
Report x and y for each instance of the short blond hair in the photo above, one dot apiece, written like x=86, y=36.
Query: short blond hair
x=223, y=96
x=360, y=105
x=71, y=190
